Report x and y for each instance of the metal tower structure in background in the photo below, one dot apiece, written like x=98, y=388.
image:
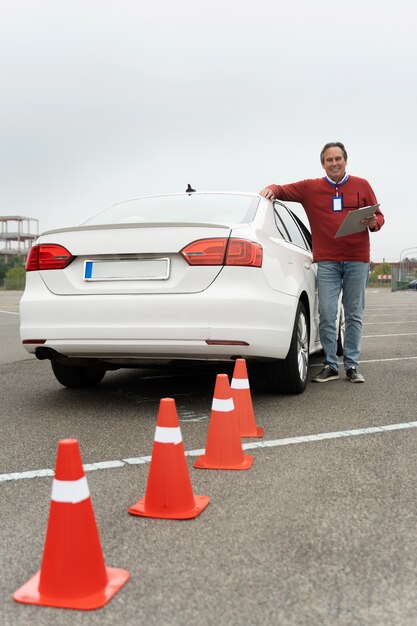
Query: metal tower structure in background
x=17, y=233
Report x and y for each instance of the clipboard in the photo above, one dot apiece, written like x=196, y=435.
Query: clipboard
x=352, y=222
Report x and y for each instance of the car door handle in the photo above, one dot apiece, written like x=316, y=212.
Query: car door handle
x=307, y=266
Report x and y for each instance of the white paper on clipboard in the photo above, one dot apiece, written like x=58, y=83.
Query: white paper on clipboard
x=352, y=222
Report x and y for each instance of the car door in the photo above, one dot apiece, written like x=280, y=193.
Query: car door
x=299, y=243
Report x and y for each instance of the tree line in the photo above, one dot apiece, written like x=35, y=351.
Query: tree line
x=12, y=273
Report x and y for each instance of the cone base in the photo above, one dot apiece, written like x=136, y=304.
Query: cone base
x=258, y=432
x=29, y=593
x=201, y=463
x=200, y=503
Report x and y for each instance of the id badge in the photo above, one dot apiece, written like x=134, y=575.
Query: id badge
x=337, y=203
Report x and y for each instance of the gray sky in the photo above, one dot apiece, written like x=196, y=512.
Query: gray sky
x=103, y=101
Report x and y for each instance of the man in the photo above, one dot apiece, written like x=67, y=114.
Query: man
x=343, y=262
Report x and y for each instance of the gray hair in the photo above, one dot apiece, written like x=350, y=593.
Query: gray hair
x=333, y=144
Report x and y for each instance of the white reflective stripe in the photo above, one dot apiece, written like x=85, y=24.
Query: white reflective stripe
x=223, y=406
x=239, y=383
x=71, y=491
x=167, y=434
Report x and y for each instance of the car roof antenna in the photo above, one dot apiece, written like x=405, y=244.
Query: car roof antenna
x=189, y=189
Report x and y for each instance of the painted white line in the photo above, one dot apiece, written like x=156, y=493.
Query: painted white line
x=383, y=314
x=390, y=323
x=9, y=312
x=272, y=443
x=90, y=467
x=396, y=358
x=334, y=435
x=138, y=460
x=390, y=335
x=31, y=474
x=196, y=419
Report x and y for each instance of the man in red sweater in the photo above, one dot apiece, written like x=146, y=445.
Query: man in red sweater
x=343, y=262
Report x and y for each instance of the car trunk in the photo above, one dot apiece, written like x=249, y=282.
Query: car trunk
x=142, y=259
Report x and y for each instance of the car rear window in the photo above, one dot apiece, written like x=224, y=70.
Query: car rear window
x=194, y=207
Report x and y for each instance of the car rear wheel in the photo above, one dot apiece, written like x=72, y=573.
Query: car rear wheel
x=290, y=375
x=77, y=376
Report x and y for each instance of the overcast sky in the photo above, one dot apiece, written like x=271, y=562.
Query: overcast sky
x=105, y=100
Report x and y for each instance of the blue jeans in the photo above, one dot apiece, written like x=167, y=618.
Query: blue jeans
x=332, y=278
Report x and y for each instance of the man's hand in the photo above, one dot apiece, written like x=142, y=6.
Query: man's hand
x=267, y=193
x=370, y=222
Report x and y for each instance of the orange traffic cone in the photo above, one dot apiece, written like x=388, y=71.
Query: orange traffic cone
x=73, y=574
x=223, y=447
x=243, y=401
x=169, y=494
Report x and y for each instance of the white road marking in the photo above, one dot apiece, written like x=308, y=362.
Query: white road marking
x=387, y=308
x=9, y=312
x=396, y=358
x=389, y=335
x=195, y=419
x=390, y=323
x=272, y=443
x=380, y=314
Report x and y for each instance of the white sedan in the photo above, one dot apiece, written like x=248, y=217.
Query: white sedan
x=176, y=277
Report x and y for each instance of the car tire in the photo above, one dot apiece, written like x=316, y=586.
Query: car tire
x=290, y=375
x=341, y=326
x=78, y=376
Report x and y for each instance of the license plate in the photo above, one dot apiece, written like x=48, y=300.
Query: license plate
x=130, y=269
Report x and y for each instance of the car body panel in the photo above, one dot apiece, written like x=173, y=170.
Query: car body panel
x=192, y=314
x=161, y=324
x=134, y=243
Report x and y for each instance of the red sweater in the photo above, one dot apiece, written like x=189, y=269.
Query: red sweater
x=316, y=197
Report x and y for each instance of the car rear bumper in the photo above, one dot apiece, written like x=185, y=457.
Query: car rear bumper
x=128, y=327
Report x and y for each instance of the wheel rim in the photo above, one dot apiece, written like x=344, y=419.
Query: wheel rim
x=302, y=347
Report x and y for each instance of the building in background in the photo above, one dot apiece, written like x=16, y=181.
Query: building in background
x=17, y=234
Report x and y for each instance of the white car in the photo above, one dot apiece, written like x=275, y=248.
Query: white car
x=160, y=279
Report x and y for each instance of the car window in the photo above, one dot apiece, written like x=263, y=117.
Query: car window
x=289, y=226
x=304, y=230
x=208, y=208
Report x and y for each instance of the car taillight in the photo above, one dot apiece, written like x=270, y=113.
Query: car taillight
x=223, y=251
x=244, y=252
x=48, y=257
x=205, y=252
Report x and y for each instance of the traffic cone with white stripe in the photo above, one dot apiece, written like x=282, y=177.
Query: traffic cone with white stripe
x=223, y=447
x=73, y=574
x=169, y=494
x=243, y=401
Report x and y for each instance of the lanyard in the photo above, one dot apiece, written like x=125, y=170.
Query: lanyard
x=337, y=185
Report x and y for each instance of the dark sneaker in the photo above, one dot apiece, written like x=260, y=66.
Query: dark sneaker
x=327, y=373
x=354, y=376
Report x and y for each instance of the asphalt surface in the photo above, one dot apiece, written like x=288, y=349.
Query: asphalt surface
x=319, y=532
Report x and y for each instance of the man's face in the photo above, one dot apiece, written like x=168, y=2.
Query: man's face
x=334, y=164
